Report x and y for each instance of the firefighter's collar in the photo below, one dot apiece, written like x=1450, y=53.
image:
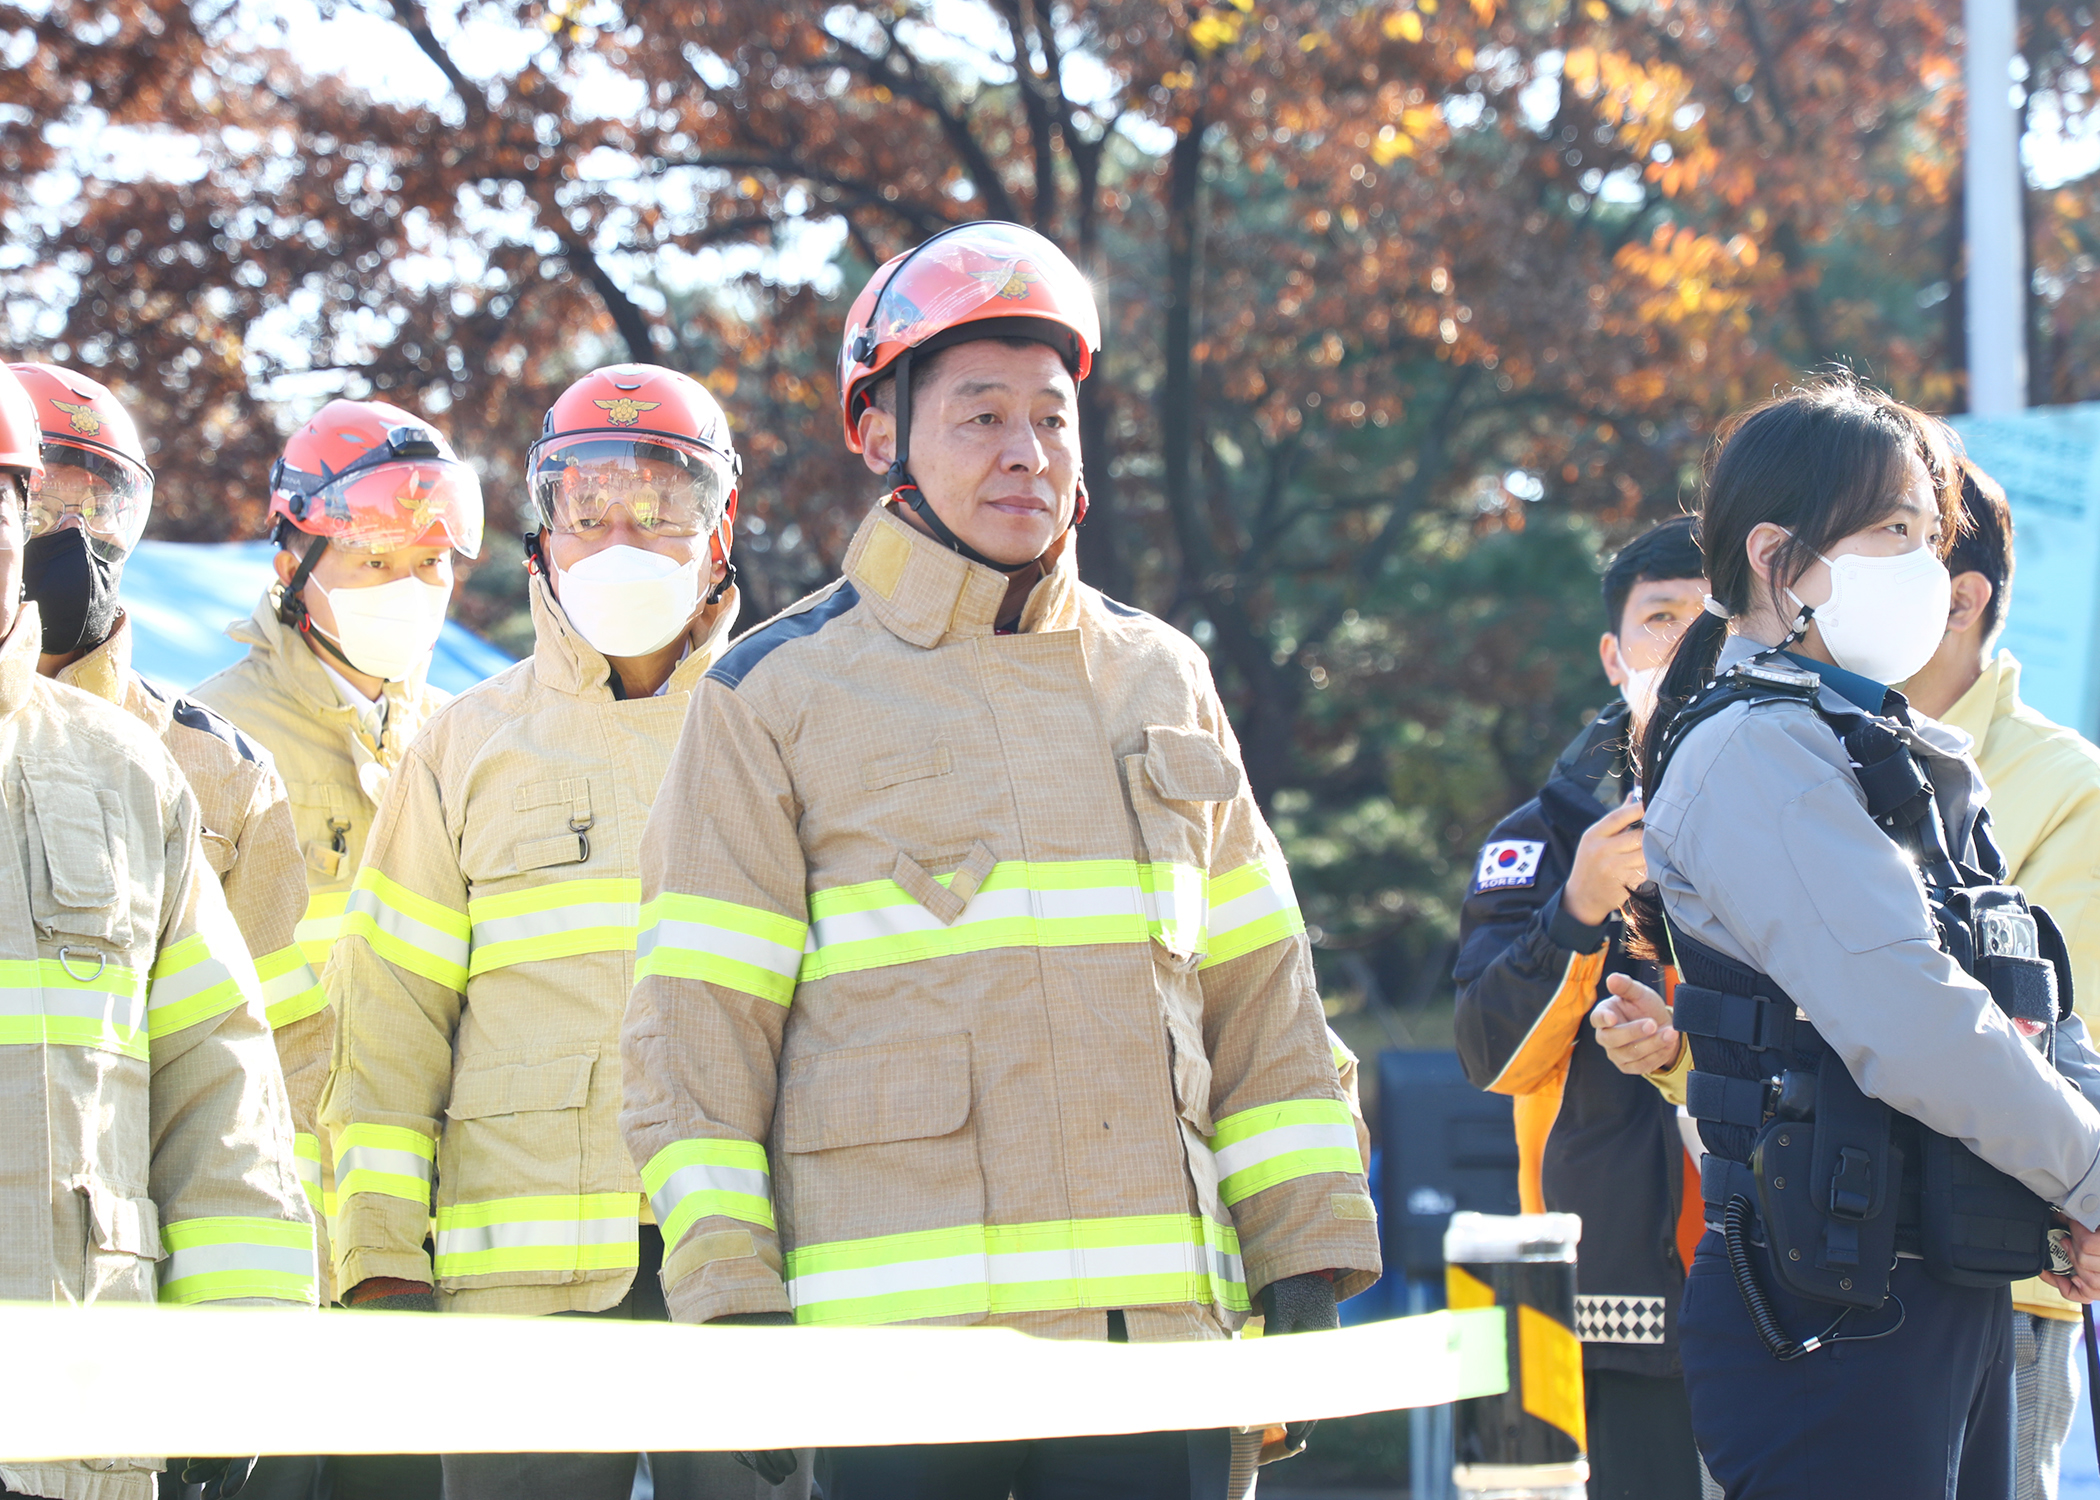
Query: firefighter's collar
x=922, y=592
x=104, y=670
x=18, y=656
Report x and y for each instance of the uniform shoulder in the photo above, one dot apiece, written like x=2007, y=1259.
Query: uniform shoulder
x=800, y=621
x=80, y=718
x=191, y=717
x=1147, y=632
x=452, y=722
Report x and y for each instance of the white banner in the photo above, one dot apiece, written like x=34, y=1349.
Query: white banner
x=141, y=1381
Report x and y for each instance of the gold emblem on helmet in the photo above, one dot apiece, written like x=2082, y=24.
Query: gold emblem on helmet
x=81, y=417
x=1011, y=282
x=625, y=411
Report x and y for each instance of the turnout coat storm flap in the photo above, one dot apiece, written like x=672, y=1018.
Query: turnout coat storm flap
x=478, y=986
x=249, y=844
x=970, y=986
x=147, y=1148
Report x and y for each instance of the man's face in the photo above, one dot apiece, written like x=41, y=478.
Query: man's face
x=13, y=533
x=1656, y=614
x=347, y=568
x=994, y=446
x=616, y=524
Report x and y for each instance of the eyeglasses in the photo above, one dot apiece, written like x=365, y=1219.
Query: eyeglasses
x=106, y=497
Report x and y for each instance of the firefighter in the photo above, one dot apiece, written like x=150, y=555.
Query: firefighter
x=149, y=1149
x=367, y=505
x=1055, y=1057
x=489, y=946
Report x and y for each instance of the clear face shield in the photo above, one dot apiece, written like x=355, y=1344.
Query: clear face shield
x=108, y=498
x=668, y=487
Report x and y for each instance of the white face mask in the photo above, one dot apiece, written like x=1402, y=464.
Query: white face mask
x=1639, y=687
x=628, y=602
x=1886, y=615
x=388, y=631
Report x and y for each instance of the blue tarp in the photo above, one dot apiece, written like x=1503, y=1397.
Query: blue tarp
x=181, y=596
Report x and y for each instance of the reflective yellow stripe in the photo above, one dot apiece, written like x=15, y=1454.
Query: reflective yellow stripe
x=385, y=1159
x=290, y=991
x=558, y=920
x=1259, y=1148
x=190, y=984
x=1021, y=904
x=594, y=1232
x=689, y=1181
x=742, y=948
x=1251, y=908
x=321, y=926
x=210, y=1260
x=1005, y=1268
x=410, y=931
x=306, y=1160
x=42, y=1004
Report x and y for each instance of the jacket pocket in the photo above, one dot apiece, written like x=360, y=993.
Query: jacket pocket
x=894, y=770
x=120, y=1244
x=545, y=804
x=515, y=1127
x=875, y=1140
x=79, y=872
x=1175, y=787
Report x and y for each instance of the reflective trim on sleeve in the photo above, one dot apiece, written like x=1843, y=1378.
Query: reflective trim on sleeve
x=190, y=984
x=1021, y=904
x=558, y=920
x=689, y=1181
x=742, y=948
x=306, y=1160
x=594, y=1232
x=1251, y=908
x=289, y=990
x=43, y=1005
x=1258, y=1148
x=982, y=1269
x=321, y=926
x=410, y=931
x=386, y=1159
x=1176, y=908
x=210, y=1260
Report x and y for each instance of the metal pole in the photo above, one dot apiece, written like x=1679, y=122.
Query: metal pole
x=1991, y=212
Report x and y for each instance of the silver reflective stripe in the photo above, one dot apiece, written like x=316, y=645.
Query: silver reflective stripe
x=202, y=1260
x=185, y=984
x=295, y=981
x=557, y=920
x=908, y=917
x=1283, y=1140
x=1015, y=1268
x=85, y=1005
x=1264, y=901
x=405, y=928
x=381, y=1159
x=309, y=1171
x=702, y=937
x=525, y=1233
x=703, y=1177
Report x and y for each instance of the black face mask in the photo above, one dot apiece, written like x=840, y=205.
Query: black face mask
x=75, y=589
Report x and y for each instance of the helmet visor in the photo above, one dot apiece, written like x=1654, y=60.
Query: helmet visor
x=405, y=502
x=104, y=496
x=956, y=275
x=668, y=487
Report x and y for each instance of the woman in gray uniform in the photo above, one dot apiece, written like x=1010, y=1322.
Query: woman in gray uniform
x=1897, y=1105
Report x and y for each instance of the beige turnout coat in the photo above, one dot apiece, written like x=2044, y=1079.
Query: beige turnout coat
x=479, y=984
x=248, y=841
x=147, y=1148
x=971, y=985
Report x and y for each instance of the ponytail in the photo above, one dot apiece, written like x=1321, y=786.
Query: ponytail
x=1691, y=668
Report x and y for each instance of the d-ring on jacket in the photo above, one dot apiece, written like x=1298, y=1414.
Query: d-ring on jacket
x=970, y=985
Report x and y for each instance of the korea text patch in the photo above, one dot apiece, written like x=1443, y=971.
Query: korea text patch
x=1508, y=862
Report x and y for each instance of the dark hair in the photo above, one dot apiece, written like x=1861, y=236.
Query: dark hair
x=1825, y=460
x=1985, y=545
x=1668, y=550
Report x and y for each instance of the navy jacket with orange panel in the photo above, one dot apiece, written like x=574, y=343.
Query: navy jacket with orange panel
x=1591, y=1140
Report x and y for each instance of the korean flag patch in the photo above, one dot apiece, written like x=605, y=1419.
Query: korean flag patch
x=1508, y=862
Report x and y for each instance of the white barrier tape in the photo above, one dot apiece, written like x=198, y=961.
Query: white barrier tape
x=118, y=1381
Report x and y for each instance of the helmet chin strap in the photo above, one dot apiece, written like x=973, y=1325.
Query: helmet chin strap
x=292, y=611
x=904, y=487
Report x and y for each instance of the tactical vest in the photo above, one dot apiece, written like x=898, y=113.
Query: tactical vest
x=1838, y=1182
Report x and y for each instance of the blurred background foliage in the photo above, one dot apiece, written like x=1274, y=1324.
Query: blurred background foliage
x=1415, y=308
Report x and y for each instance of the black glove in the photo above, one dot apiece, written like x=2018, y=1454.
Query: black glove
x=774, y=1465
x=1298, y=1304
x=755, y=1320
x=215, y=1478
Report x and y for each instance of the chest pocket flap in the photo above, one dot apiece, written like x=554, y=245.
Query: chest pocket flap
x=860, y=1096
x=571, y=798
x=521, y=1088
x=78, y=833
x=1188, y=765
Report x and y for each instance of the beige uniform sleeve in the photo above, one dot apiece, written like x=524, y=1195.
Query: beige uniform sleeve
x=396, y=981
x=2062, y=873
x=235, y=1223
x=722, y=925
x=1289, y=1164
